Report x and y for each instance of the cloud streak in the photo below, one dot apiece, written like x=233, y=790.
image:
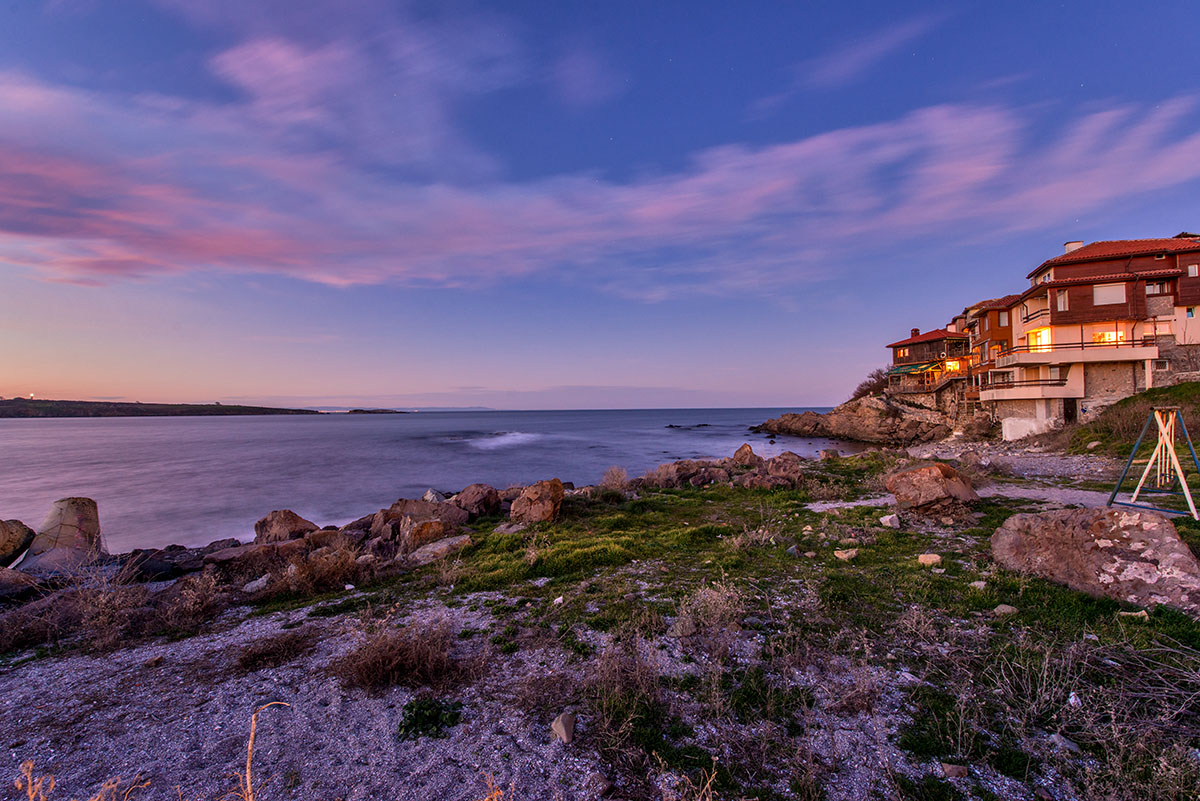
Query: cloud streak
x=308, y=174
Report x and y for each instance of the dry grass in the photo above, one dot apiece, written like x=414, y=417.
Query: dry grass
x=615, y=478
x=717, y=611
x=416, y=655
x=626, y=706
x=276, y=650
x=320, y=571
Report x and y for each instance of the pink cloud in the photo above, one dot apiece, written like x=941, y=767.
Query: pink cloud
x=583, y=77
x=97, y=187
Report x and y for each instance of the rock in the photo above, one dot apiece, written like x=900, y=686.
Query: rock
x=16, y=584
x=758, y=479
x=150, y=565
x=709, y=475
x=947, y=521
x=478, y=500
x=1091, y=446
x=874, y=419
x=954, y=771
x=258, y=585
x=440, y=549
x=538, y=503
x=810, y=554
x=829, y=454
x=387, y=522
x=1004, y=610
x=254, y=558
x=72, y=525
x=929, y=559
x=564, y=727
x=433, y=496
x=282, y=525
x=928, y=485
x=335, y=538
x=1043, y=794
x=891, y=521
x=792, y=551
x=1141, y=614
x=1134, y=556
x=978, y=585
x=412, y=534
x=510, y=528
x=1064, y=743
x=846, y=555
x=684, y=626
x=974, y=462
x=153, y=661
x=15, y=538
x=788, y=466
x=510, y=494
x=746, y=457
x=848, y=541
x=559, y=601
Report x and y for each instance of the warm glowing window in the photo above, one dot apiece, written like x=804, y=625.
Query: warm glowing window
x=901, y=352
x=1039, y=340
x=952, y=366
x=1108, y=337
x=1108, y=294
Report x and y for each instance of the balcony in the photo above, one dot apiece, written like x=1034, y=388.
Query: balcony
x=1033, y=388
x=1075, y=352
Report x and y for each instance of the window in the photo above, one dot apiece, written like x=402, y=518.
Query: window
x=1157, y=288
x=901, y=353
x=985, y=323
x=1193, y=270
x=1108, y=337
x=1191, y=312
x=1159, y=256
x=1061, y=299
x=1003, y=320
x=1039, y=340
x=1108, y=294
x=1162, y=364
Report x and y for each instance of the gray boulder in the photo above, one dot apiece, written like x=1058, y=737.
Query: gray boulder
x=15, y=537
x=68, y=539
x=1129, y=555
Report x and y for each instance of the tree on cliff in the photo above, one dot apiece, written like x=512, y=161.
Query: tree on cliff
x=875, y=383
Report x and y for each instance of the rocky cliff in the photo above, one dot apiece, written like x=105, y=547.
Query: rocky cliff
x=874, y=419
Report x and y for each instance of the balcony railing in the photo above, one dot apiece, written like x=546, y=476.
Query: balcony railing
x=1035, y=314
x=1057, y=346
x=1028, y=382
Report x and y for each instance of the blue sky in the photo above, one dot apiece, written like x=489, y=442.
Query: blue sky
x=552, y=204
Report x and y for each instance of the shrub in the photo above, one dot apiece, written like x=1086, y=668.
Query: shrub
x=276, y=650
x=875, y=383
x=615, y=478
x=417, y=655
x=428, y=717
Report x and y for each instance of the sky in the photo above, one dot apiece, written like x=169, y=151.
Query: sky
x=555, y=204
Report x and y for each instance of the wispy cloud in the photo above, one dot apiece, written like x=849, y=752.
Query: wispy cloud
x=583, y=77
x=848, y=63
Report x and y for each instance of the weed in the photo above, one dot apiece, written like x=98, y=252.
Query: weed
x=276, y=650
x=416, y=655
x=428, y=717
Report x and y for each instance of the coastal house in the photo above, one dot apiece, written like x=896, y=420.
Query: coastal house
x=1097, y=323
x=928, y=368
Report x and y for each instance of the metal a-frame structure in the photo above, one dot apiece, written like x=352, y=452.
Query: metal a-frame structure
x=1163, y=470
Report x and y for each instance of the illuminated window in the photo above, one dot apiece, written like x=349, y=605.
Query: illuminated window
x=952, y=366
x=1039, y=340
x=1108, y=337
x=1108, y=294
x=901, y=352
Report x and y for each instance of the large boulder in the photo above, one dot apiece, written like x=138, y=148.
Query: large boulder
x=929, y=485
x=15, y=585
x=15, y=537
x=746, y=457
x=478, y=500
x=873, y=419
x=68, y=539
x=538, y=503
x=386, y=522
x=788, y=466
x=282, y=525
x=1129, y=555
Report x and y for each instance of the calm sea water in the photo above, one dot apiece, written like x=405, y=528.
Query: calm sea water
x=196, y=479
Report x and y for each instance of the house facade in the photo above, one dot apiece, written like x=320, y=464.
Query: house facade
x=1096, y=324
x=929, y=368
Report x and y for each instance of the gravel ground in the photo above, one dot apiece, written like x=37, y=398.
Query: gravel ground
x=1020, y=460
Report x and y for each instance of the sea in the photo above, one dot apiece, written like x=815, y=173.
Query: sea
x=192, y=480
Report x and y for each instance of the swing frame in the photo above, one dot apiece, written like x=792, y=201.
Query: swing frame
x=1164, y=462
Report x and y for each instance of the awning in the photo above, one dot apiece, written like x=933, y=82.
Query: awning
x=909, y=369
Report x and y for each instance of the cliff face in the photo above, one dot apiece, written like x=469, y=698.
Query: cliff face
x=872, y=419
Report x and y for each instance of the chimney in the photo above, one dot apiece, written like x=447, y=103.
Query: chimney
x=915, y=332
x=1074, y=244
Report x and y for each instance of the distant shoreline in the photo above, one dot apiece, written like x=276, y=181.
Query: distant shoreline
x=27, y=408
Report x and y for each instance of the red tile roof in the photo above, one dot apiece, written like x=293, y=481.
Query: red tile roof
x=1166, y=272
x=929, y=336
x=1122, y=248
x=995, y=303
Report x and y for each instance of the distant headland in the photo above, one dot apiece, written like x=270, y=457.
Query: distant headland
x=28, y=407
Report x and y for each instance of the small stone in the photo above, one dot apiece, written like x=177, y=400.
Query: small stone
x=846, y=555
x=1073, y=699
x=1064, y=743
x=348, y=587
x=1004, y=610
x=683, y=626
x=954, y=771
x=600, y=785
x=153, y=661
x=564, y=727
x=1141, y=614
x=929, y=559
x=810, y=554
x=258, y=585
x=807, y=528
x=847, y=541
x=978, y=585
x=1091, y=446
x=510, y=528
x=829, y=454
x=791, y=551
x=947, y=521
x=938, y=570
x=891, y=521
x=1043, y=794
x=433, y=496
x=558, y=601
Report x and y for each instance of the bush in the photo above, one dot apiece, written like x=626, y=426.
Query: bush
x=875, y=383
x=276, y=650
x=417, y=655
